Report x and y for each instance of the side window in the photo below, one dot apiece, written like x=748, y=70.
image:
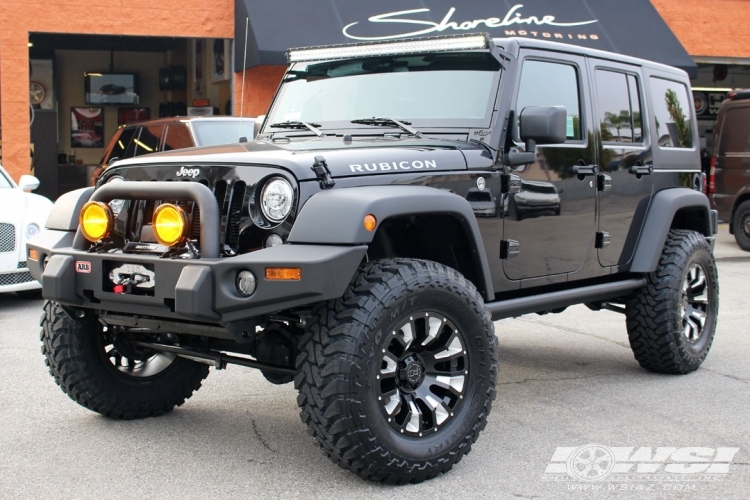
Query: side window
x=546, y=83
x=734, y=138
x=148, y=140
x=177, y=137
x=619, y=107
x=672, y=108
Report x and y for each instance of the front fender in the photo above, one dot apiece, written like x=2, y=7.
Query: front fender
x=335, y=217
x=65, y=211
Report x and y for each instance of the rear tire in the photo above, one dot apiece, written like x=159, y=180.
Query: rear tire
x=111, y=376
x=396, y=379
x=741, y=225
x=672, y=320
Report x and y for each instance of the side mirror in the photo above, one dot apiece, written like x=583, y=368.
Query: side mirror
x=538, y=125
x=257, y=125
x=542, y=125
x=28, y=183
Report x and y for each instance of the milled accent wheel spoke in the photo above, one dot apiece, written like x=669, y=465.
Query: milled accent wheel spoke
x=694, y=303
x=391, y=363
x=392, y=402
x=454, y=384
x=414, y=418
x=434, y=327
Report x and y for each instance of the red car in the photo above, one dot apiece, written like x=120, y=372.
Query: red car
x=179, y=132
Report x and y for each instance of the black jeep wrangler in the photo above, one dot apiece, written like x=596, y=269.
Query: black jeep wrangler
x=399, y=198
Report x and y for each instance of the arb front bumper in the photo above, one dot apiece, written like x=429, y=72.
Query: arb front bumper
x=202, y=289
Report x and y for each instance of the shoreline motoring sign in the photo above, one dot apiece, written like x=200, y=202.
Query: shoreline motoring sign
x=512, y=18
x=275, y=27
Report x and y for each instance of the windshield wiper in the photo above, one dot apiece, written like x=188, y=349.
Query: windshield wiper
x=300, y=125
x=385, y=121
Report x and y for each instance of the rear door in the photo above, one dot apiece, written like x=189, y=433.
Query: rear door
x=625, y=182
x=552, y=218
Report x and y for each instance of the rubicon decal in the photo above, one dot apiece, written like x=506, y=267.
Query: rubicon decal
x=83, y=267
x=394, y=165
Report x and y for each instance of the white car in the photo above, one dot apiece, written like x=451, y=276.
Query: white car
x=22, y=215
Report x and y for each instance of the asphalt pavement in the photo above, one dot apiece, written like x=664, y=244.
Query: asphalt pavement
x=567, y=382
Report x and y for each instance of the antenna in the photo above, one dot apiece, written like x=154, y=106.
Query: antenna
x=244, y=70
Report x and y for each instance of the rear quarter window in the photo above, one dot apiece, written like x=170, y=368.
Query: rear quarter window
x=672, y=113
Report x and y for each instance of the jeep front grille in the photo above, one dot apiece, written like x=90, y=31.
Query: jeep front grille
x=230, y=197
x=7, y=237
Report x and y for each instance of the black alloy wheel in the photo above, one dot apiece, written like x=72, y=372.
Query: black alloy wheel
x=397, y=377
x=423, y=374
x=111, y=375
x=672, y=320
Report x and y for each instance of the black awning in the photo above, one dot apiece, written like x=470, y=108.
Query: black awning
x=632, y=27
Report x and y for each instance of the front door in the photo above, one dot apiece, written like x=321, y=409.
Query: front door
x=553, y=217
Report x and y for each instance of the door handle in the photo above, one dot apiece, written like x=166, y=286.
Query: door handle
x=583, y=170
x=639, y=170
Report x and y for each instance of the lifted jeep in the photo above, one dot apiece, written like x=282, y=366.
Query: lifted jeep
x=400, y=196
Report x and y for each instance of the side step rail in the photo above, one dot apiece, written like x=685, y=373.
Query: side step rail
x=563, y=298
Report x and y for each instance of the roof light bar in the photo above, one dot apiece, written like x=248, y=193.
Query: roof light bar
x=472, y=41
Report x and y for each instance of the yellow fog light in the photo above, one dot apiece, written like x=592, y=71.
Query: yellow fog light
x=96, y=220
x=170, y=224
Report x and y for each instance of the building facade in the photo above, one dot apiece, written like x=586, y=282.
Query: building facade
x=191, y=53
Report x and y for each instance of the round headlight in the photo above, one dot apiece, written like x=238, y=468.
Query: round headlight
x=96, y=220
x=169, y=224
x=31, y=230
x=276, y=199
x=116, y=205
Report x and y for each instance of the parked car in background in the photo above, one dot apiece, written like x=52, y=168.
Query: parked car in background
x=728, y=186
x=22, y=215
x=179, y=132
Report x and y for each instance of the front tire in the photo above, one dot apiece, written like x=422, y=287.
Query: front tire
x=110, y=375
x=396, y=379
x=741, y=225
x=672, y=320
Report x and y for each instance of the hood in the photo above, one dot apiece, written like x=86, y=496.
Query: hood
x=371, y=156
x=13, y=204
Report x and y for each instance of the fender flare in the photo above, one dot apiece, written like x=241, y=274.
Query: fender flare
x=335, y=217
x=66, y=210
x=664, y=206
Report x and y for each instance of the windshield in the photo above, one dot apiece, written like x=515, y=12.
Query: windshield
x=438, y=90
x=218, y=132
x=4, y=182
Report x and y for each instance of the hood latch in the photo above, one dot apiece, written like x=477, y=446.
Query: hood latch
x=320, y=167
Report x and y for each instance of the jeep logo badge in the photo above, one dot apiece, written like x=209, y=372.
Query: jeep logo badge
x=188, y=172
